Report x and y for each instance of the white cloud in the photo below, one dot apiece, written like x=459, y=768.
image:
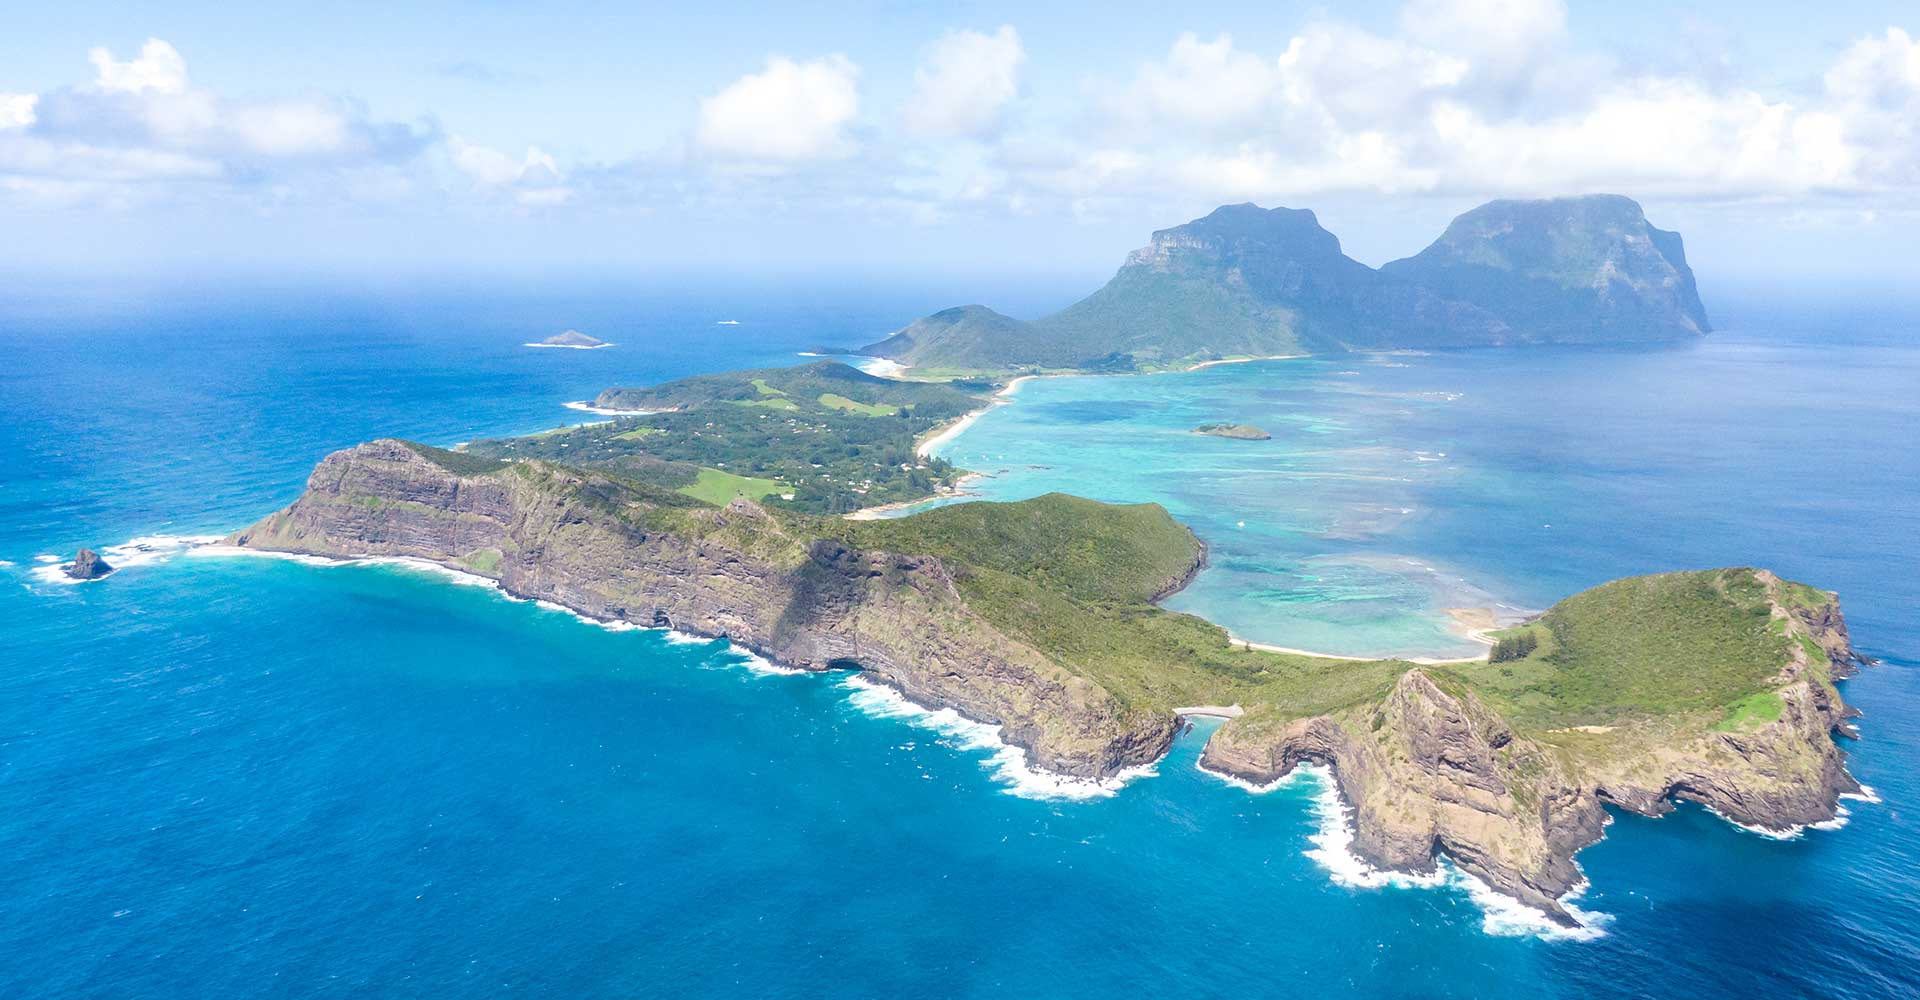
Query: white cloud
x=964, y=81
x=491, y=167
x=1482, y=98
x=791, y=111
x=534, y=180
x=141, y=125
x=157, y=69
x=1201, y=85
x=16, y=110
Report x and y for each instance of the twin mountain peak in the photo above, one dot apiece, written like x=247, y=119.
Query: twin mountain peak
x=1248, y=282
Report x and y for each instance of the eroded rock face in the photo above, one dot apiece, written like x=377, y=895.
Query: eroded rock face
x=556, y=534
x=1430, y=770
x=87, y=565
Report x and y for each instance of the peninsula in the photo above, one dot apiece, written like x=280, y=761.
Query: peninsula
x=1040, y=617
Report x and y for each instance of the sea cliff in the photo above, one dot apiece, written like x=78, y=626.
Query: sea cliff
x=1039, y=617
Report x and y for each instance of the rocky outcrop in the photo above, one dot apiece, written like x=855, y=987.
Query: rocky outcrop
x=87, y=565
x=1432, y=770
x=598, y=547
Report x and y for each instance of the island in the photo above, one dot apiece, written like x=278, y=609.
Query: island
x=713, y=506
x=86, y=565
x=1246, y=282
x=1240, y=432
x=1042, y=617
x=571, y=339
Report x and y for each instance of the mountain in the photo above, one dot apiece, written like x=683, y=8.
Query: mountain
x=957, y=336
x=1250, y=282
x=1586, y=269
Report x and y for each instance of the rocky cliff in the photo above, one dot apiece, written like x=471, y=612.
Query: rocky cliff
x=615, y=551
x=1245, y=281
x=1433, y=770
x=1565, y=270
x=1716, y=686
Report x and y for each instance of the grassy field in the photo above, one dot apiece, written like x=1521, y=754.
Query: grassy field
x=1074, y=578
x=1643, y=647
x=837, y=438
x=834, y=400
x=719, y=487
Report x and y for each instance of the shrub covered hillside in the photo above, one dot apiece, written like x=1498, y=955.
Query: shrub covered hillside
x=824, y=438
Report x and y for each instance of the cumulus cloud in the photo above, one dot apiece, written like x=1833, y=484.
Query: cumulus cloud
x=533, y=180
x=1478, y=98
x=964, y=81
x=141, y=122
x=16, y=110
x=157, y=69
x=789, y=112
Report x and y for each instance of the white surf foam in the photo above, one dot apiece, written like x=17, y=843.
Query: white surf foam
x=1007, y=763
x=570, y=347
x=145, y=550
x=1501, y=915
x=759, y=665
x=586, y=406
x=1504, y=916
x=1291, y=778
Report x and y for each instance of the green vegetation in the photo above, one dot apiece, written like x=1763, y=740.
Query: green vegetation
x=1641, y=647
x=720, y=488
x=838, y=402
x=773, y=403
x=1075, y=578
x=1753, y=711
x=1518, y=646
x=1250, y=282
x=459, y=463
x=837, y=438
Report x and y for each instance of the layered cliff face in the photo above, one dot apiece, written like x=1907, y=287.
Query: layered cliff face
x=1245, y=281
x=614, y=551
x=1715, y=686
x=1433, y=769
x=1575, y=270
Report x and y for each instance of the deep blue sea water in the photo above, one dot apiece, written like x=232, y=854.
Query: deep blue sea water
x=254, y=777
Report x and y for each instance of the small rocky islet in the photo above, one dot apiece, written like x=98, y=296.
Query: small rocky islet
x=87, y=565
x=572, y=338
x=1239, y=432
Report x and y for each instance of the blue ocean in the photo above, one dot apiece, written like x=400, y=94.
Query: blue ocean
x=243, y=776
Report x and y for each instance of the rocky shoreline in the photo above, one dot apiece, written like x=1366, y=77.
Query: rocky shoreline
x=1430, y=769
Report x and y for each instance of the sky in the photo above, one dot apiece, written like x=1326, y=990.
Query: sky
x=903, y=141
